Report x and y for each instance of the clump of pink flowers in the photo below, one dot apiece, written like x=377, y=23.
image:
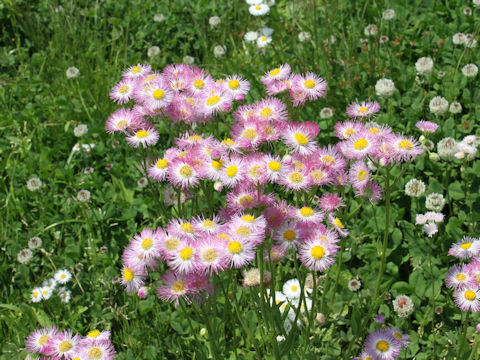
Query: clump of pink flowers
x=54, y=344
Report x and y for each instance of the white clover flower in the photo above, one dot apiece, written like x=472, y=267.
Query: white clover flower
x=415, y=188
x=159, y=17
x=435, y=202
x=214, y=21
x=455, y=107
x=24, y=256
x=153, y=51
x=250, y=36
x=189, y=60
x=80, y=130
x=354, y=285
x=459, y=39
x=72, y=72
x=403, y=305
x=304, y=36
x=370, y=30
x=441, y=74
x=438, y=105
x=83, y=195
x=34, y=184
x=467, y=11
x=447, y=148
x=219, y=51
x=424, y=66
x=388, y=14
x=470, y=70
x=142, y=182
x=34, y=242
x=326, y=113
x=470, y=41
x=384, y=88
x=476, y=3
x=384, y=39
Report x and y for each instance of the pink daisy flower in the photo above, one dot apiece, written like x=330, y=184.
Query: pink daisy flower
x=247, y=135
x=237, y=86
x=184, y=259
x=132, y=278
x=137, y=71
x=121, y=120
x=156, y=96
x=147, y=246
x=405, y=149
x=330, y=202
x=359, y=175
x=158, y=170
x=175, y=287
x=277, y=86
x=427, y=126
x=466, y=248
x=182, y=173
x=458, y=277
x=271, y=109
x=372, y=191
x=122, y=92
x=358, y=146
x=383, y=345
x=64, y=344
x=300, y=137
x=233, y=171
x=347, y=129
x=311, y=84
x=293, y=179
x=403, y=338
x=239, y=252
x=37, y=341
x=338, y=225
x=467, y=298
x=145, y=137
x=277, y=74
x=365, y=109
x=214, y=100
x=211, y=256
x=273, y=167
x=98, y=350
x=317, y=255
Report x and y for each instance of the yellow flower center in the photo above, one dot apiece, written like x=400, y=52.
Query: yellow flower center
x=383, y=346
x=470, y=295
x=213, y=100
x=245, y=200
x=228, y=142
x=43, y=339
x=274, y=165
x=190, y=101
x=35, y=294
x=269, y=130
x=65, y=345
x=466, y=246
x=301, y=139
x=234, y=84
x=289, y=235
x=187, y=227
x=258, y=7
x=234, y=247
x=136, y=70
x=95, y=353
x=249, y=134
x=306, y=211
x=186, y=171
x=162, y=163
x=199, y=84
x=294, y=288
x=122, y=124
x=361, y=175
x=210, y=255
x=186, y=253
x=63, y=276
x=274, y=72
x=208, y=224
x=309, y=84
x=147, y=243
x=141, y=134
x=338, y=223
x=266, y=112
x=349, y=132
x=158, y=94
x=178, y=287
x=124, y=89
x=360, y=144
x=243, y=231
x=397, y=335
x=461, y=277
x=248, y=218
x=128, y=275
x=217, y=165
x=264, y=38
x=254, y=171
x=93, y=333
x=45, y=292
x=223, y=236
x=317, y=252
x=328, y=159
x=363, y=110
x=171, y=243
x=405, y=145
x=149, y=78
x=232, y=171
x=374, y=130
x=295, y=177
x=317, y=175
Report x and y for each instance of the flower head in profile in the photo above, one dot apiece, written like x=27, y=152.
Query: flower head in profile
x=363, y=110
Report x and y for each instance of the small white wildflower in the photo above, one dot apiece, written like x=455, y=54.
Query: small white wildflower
x=459, y=39
x=384, y=88
x=354, y=285
x=415, y=188
x=388, y=14
x=214, y=21
x=447, y=148
x=424, y=66
x=266, y=31
x=64, y=294
x=88, y=170
x=142, y=182
x=259, y=10
x=403, y=305
x=62, y=276
x=435, y=202
x=189, y=60
x=159, y=17
x=34, y=242
x=467, y=11
x=24, y=256
x=219, y=51
x=430, y=229
x=304, y=36
x=153, y=51
x=263, y=41
x=470, y=70
x=83, y=195
x=34, y=184
x=250, y=36
x=371, y=30
x=441, y=74
x=438, y=105
x=455, y=107
x=80, y=130
x=72, y=72
x=326, y=113
x=384, y=39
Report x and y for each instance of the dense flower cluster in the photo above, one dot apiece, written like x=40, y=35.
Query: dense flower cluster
x=55, y=344
x=45, y=291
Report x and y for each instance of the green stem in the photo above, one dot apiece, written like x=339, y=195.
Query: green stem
x=184, y=310
x=433, y=293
